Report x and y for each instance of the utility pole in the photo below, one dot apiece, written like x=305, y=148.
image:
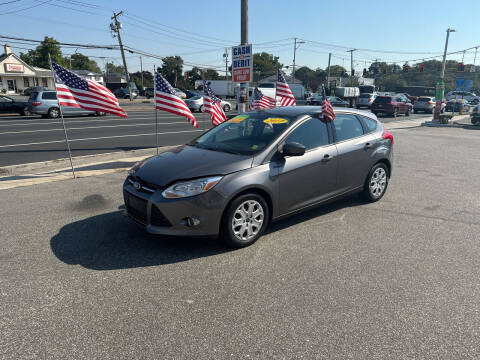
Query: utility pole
x=225, y=56
x=141, y=70
x=295, y=42
x=351, y=65
x=243, y=98
x=441, y=84
x=328, y=71
x=115, y=27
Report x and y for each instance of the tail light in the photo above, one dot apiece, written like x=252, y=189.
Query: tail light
x=387, y=135
x=36, y=103
x=431, y=102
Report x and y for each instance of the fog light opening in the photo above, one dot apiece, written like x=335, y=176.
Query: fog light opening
x=190, y=221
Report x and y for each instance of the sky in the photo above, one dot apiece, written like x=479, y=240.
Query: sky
x=392, y=31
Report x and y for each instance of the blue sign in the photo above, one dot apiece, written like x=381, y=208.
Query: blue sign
x=463, y=85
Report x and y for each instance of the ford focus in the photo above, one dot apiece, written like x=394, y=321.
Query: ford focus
x=259, y=167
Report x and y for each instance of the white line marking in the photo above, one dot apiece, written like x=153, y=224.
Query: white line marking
x=92, y=127
x=99, y=138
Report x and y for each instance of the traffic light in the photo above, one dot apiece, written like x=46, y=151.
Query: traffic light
x=461, y=66
x=421, y=68
x=353, y=72
x=364, y=72
x=384, y=69
x=405, y=68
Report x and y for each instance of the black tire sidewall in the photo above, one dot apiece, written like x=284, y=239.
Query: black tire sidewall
x=366, y=191
x=226, y=108
x=50, y=113
x=226, y=232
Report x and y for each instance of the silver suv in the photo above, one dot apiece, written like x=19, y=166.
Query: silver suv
x=45, y=103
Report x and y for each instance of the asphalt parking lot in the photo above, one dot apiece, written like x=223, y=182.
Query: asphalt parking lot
x=27, y=139
x=396, y=279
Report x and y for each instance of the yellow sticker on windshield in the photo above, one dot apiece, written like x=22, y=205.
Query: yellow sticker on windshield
x=238, y=119
x=254, y=147
x=275, y=121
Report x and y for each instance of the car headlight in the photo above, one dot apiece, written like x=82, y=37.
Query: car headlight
x=190, y=188
x=137, y=166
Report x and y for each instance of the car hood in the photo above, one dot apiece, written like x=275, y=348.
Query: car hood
x=21, y=103
x=188, y=162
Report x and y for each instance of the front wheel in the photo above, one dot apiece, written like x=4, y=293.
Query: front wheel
x=226, y=108
x=245, y=220
x=376, y=183
x=53, y=113
x=407, y=113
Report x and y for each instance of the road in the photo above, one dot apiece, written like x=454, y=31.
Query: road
x=32, y=139
x=396, y=279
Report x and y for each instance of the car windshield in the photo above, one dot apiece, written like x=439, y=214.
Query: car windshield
x=244, y=134
x=424, y=99
x=383, y=99
x=365, y=96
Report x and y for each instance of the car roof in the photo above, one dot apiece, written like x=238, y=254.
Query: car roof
x=300, y=111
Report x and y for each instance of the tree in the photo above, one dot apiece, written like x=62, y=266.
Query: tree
x=264, y=65
x=39, y=56
x=82, y=62
x=211, y=74
x=311, y=79
x=172, y=69
x=137, y=78
x=337, y=70
x=112, y=68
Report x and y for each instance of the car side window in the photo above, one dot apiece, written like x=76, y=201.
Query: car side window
x=312, y=134
x=369, y=123
x=347, y=126
x=49, y=96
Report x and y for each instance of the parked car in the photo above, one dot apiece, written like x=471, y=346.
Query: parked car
x=262, y=166
x=149, y=92
x=192, y=93
x=426, y=104
x=365, y=100
x=465, y=95
x=180, y=93
x=124, y=93
x=196, y=104
x=9, y=105
x=335, y=101
x=45, y=103
x=28, y=91
x=392, y=105
x=475, y=115
x=412, y=98
x=457, y=106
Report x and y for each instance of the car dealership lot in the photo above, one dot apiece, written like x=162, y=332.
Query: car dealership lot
x=32, y=138
x=393, y=279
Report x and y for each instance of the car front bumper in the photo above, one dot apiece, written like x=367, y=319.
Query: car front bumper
x=193, y=216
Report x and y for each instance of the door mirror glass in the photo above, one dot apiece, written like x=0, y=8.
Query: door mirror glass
x=293, y=149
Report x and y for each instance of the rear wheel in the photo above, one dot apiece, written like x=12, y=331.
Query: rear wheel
x=407, y=113
x=376, y=183
x=53, y=113
x=245, y=220
x=226, y=108
x=395, y=113
x=415, y=111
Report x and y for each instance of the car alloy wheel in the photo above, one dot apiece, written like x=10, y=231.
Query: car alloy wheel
x=378, y=182
x=245, y=220
x=53, y=113
x=226, y=108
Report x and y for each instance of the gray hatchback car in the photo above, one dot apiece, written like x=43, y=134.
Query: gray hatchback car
x=45, y=103
x=259, y=167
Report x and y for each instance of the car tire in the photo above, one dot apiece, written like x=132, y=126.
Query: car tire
x=376, y=183
x=200, y=109
x=226, y=108
x=242, y=228
x=415, y=111
x=395, y=113
x=100, y=113
x=407, y=113
x=53, y=113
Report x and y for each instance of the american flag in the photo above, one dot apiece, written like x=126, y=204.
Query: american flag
x=212, y=105
x=261, y=101
x=283, y=91
x=72, y=90
x=327, y=111
x=166, y=99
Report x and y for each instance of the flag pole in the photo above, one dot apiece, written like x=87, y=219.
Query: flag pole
x=155, y=104
x=63, y=120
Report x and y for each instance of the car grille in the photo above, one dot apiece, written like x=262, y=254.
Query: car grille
x=136, y=207
x=157, y=218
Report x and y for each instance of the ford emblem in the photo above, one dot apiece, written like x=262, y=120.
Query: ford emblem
x=137, y=185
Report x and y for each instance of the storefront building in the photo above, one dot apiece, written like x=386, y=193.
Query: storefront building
x=16, y=75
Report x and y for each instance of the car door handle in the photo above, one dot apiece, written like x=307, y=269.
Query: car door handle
x=367, y=146
x=327, y=157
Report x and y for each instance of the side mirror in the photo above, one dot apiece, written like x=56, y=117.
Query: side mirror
x=293, y=149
